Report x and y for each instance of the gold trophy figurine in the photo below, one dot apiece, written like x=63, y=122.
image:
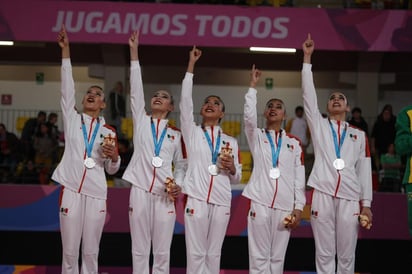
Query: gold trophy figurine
x=290, y=219
x=170, y=183
x=364, y=221
x=225, y=151
x=108, y=140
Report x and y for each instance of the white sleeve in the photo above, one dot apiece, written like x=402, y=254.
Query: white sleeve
x=250, y=116
x=137, y=100
x=186, y=106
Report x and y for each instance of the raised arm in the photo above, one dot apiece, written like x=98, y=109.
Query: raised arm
x=194, y=55
x=63, y=41
x=68, y=100
x=134, y=45
x=186, y=100
x=137, y=101
x=254, y=76
x=310, y=100
x=250, y=112
x=308, y=48
x=249, y=109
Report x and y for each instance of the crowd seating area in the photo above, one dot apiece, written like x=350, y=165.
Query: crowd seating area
x=232, y=125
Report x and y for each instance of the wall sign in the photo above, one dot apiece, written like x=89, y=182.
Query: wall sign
x=6, y=99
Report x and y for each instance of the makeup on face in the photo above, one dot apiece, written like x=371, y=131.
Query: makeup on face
x=337, y=96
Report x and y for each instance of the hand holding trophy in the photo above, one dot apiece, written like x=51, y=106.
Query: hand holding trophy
x=364, y=221
x=226, y=157
x=108, y=140
x=170, y=184
x=290, y=219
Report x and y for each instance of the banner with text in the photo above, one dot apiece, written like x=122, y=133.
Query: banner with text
x=206, y=25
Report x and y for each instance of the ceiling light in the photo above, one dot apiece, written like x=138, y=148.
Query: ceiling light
x=264, y=49
x=6, y=43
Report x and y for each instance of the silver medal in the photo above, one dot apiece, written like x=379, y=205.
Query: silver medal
x=274, y=173
x=339, y=164
x=157, y=161
x=213, y=170
x=89, y=162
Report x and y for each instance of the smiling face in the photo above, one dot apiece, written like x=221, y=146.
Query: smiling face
x=275, y=111
x=161, y=103
x=93, y=101
x=337, y=103
x=213, y=110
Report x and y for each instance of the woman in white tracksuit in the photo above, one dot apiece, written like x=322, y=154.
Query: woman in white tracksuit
x=341, y=176
x=81, y=171
x=158, y=148
x=208, y=178
x=276, y=187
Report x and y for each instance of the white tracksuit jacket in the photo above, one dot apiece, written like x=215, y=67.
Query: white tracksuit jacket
x=198, y=182
x=287, y=192
x=140, y=171
x=71, y=171
x=354, y=182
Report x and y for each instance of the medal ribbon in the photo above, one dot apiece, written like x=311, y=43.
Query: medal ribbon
x=335, y=139
x=275, y=152
x=157, y=144
x=215, y=152
x=89, y=146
